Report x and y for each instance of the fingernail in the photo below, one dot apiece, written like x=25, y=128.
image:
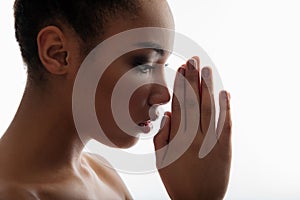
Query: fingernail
x=181, y=71
x=163, y=121
x=192, y=64
x=205, y=72
x=224, y=95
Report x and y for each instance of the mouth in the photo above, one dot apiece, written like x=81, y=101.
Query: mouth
x=146, y=126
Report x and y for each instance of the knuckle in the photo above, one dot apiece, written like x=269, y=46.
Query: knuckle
x=177, y=103
x=207, y=84
x=193, y=77
x=191, y=103
x=159, y=138
x=177, y=107
x=156, y=138
x=208, y=110
x=227, y=126
x=209, y=93
x=178, y=86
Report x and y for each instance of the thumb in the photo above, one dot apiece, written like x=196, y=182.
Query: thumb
x=161, y=139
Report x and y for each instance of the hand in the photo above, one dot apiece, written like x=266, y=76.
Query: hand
x=188, y=176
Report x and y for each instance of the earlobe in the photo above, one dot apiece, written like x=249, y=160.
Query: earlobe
x=52, y=50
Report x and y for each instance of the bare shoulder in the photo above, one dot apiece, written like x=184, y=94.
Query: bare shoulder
x=107, y=173
x=102, y=167
x=97, y=159
x=16, y=191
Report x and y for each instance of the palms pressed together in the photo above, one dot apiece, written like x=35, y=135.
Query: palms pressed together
x=185, y=174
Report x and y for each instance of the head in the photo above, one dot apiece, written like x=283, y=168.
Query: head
x=55, y=36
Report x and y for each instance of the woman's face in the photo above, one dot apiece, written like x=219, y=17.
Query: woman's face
x=141, y=66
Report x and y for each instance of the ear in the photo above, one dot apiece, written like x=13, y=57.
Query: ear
x=52, y=50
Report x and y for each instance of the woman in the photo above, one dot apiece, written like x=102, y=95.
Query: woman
x=41, y=152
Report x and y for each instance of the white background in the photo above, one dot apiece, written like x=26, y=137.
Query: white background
x=255, y=46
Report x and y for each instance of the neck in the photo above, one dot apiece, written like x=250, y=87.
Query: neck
x=42, y=136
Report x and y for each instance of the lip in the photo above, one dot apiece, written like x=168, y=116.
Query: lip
x=146, y=126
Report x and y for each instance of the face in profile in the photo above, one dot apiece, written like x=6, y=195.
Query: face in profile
x=140, y=67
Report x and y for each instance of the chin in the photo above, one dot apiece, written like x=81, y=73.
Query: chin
x=125, y=144
x=122, y=141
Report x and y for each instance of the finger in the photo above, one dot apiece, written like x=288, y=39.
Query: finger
x=192, y=103
x=192, y=92
x=178, y=102
x=221, y=136
x=207, y=107
x=197, y=60
x=161, y=140
x=224, y=127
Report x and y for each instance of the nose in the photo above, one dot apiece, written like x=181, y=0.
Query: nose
x=159, y=94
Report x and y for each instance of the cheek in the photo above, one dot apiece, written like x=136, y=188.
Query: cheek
x=103, y=97
x=106, y=120
x=103, y=101
x=138, y=103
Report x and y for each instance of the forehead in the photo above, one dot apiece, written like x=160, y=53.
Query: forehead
x=150, y=13
x=155, y=13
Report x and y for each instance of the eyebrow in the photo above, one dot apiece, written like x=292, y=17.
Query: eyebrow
x=151, y=45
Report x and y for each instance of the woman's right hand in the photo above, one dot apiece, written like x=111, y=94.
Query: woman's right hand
x=191, y=177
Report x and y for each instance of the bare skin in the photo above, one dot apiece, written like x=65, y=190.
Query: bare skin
x=205, y=178
x=95, y=181
x=41, y=153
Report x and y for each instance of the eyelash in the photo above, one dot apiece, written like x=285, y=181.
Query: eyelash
x=144, y=69
x=143, y=65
